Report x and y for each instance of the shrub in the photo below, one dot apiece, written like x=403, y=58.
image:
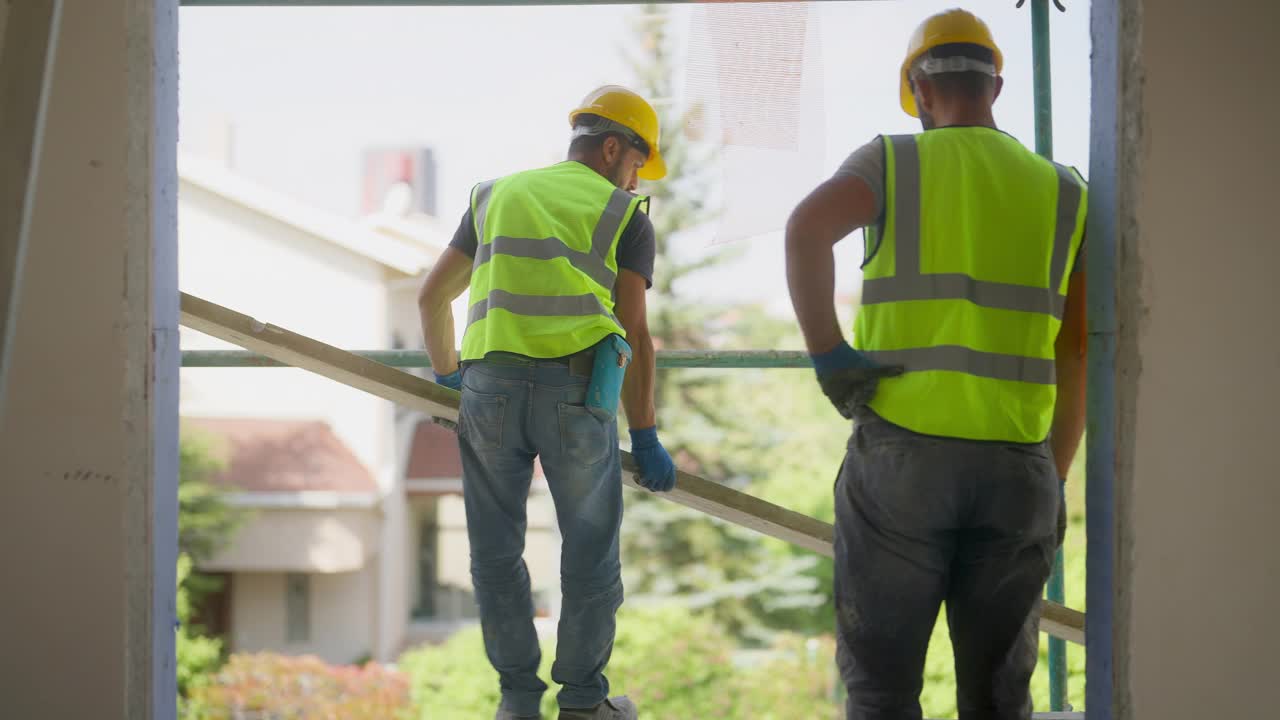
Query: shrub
x=453, y=679
x=799, y=680
x=674, y=664
x=197, y=656
x=265, y=686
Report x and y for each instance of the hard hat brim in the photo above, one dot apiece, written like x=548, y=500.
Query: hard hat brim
x=655, y=168
x=905, y=96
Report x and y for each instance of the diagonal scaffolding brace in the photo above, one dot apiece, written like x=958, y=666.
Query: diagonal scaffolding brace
x=29, y=41
x=438, y=401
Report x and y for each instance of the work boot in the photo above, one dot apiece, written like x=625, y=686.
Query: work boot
x=615, y=708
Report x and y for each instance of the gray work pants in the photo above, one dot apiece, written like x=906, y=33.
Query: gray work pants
x=923, y=520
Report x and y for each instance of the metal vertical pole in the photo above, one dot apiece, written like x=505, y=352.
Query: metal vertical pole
x=1043, y=86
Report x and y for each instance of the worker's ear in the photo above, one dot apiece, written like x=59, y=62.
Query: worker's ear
x=924, y=91
x=611, y=150
x=999, y=87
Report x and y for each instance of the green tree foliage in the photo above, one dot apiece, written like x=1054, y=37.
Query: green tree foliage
x=206, y=522
x=710, y=422
x=197, y=656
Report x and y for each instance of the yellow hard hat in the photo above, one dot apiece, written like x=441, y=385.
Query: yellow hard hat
x=951, y=26
x=622, y=106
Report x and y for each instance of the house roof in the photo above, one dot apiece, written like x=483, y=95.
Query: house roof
x=433, y=454
x=410, y=249
x=272, y=456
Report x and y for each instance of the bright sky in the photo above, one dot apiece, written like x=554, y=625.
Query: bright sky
x=307, y=89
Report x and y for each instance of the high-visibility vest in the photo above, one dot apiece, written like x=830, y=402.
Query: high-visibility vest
x=545, y=265
x=966, y=283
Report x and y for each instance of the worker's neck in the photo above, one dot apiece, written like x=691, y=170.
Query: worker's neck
x=584, y=160
x=965, y=116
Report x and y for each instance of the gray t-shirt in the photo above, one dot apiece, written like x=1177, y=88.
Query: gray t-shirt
x=867, y=164
x=637, y=245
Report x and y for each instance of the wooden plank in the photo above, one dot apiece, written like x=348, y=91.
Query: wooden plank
x=336, y=364
x=1062, y=622
x=30, y=33
x=437, y=401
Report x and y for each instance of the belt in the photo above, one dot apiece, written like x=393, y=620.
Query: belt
x=579, y=363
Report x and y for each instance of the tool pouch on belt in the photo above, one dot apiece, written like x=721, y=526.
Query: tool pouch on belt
x=613, y=354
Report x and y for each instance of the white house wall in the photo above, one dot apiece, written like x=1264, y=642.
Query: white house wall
x=406, y=324
x=392, y=602
x=341, y=623
x=541, y=551
x=322, y=540
x=262, y=267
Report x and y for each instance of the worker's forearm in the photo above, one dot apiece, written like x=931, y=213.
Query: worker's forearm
x=811, y=278
x=1069, y=411
x=638, y=384
x=437, y=332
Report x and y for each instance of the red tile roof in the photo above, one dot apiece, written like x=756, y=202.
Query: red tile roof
x=433, y=454
x=281, y=455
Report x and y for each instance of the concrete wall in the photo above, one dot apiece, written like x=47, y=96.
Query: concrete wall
x=1199, y=351
x=342, y=629
x=88, y=435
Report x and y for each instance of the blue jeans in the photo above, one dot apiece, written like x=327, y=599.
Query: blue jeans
x=512, y=411
x=924, y=520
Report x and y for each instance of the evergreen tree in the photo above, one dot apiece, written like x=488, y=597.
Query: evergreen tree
x=670, y=552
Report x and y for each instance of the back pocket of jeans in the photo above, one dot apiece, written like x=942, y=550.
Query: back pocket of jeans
x=480, y=419
x=584, y=439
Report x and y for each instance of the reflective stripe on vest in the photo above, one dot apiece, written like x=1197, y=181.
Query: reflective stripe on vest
x=546, y=260
x=537, y=305
x=595, y=263
x=978, y=348
x=908, y=283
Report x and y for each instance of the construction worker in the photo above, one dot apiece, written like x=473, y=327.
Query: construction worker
x=558, y=260
x=965, y=382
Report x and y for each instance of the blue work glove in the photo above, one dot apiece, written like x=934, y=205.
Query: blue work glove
x=657, y=471
x=453, y=380
x=848, y=378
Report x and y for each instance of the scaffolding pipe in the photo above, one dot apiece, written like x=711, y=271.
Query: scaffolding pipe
x=1043, y=88
x=735, y=359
